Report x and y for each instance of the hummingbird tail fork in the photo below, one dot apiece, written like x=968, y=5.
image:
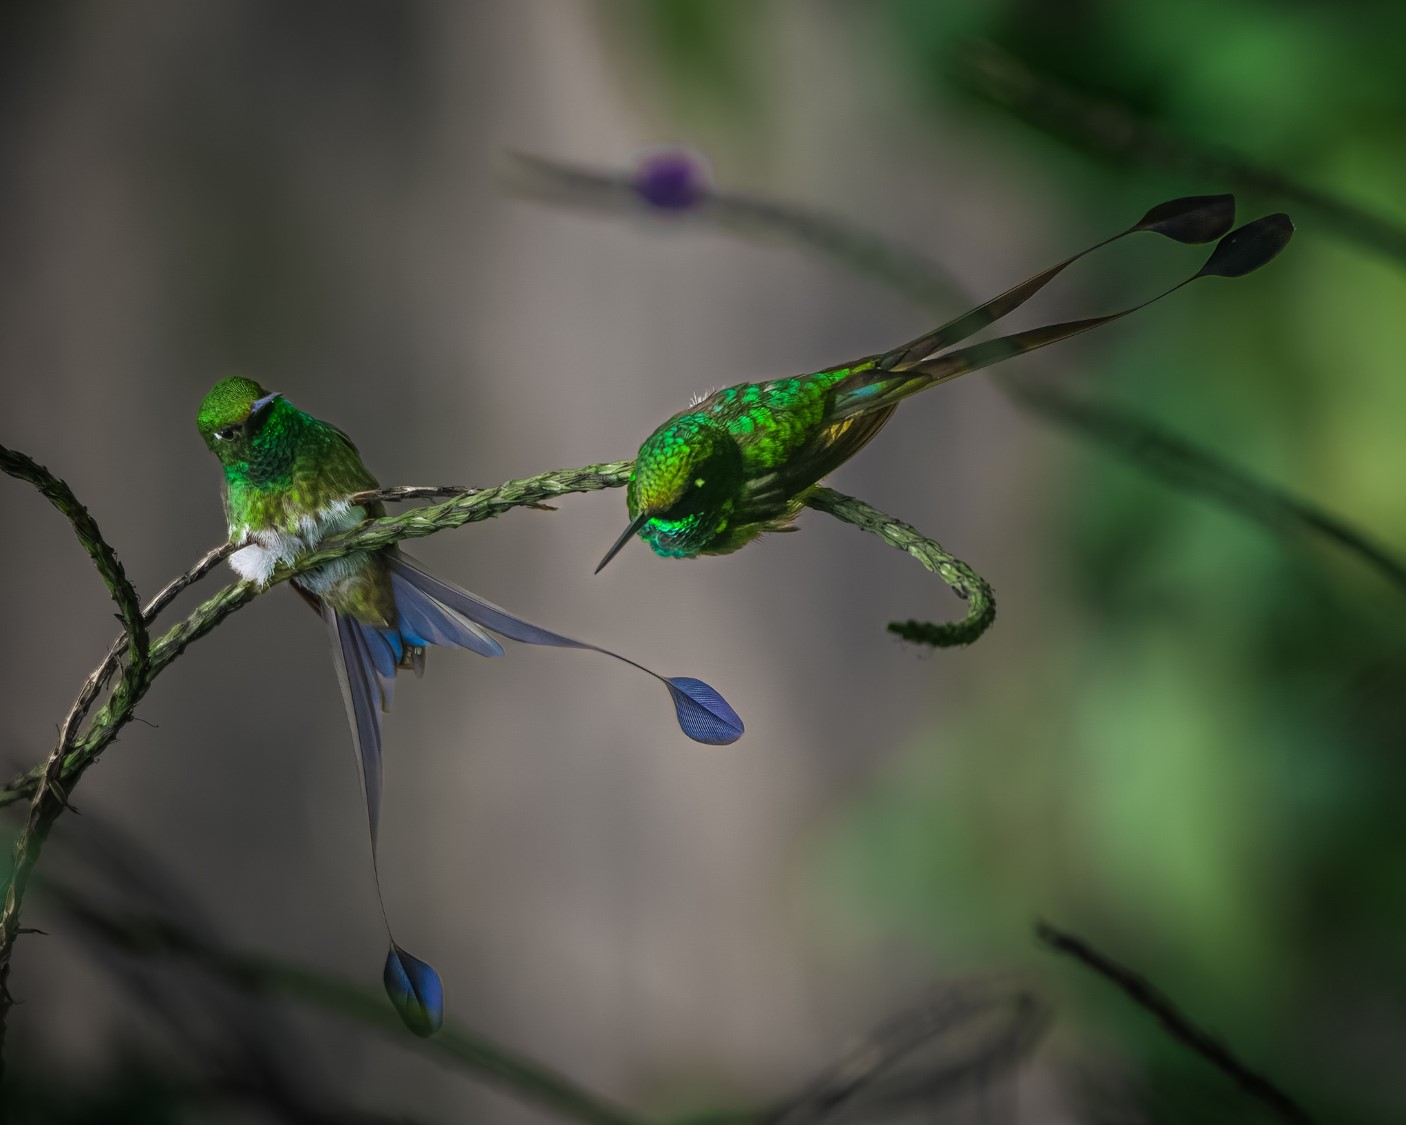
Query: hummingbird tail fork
x=917, y=365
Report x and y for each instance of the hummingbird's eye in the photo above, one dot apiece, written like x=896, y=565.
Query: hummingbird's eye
x=225, y=433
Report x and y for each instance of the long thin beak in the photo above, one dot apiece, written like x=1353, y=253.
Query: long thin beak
x=260, y=403
x=635, y=524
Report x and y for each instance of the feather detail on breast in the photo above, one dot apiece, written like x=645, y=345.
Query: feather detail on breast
x=268, y=548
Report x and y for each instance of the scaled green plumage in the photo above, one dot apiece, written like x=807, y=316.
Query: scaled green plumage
x=737, y=463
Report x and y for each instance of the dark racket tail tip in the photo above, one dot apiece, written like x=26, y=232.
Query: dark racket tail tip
x=1192, y=219
x=1247, y=248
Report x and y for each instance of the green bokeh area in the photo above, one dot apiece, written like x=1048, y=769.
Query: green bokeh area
x=1200, y=759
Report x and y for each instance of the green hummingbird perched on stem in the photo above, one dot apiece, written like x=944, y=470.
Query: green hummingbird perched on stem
x=738, y=463
x=289, y=478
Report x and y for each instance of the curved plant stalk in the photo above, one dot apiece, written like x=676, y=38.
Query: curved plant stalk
x=1178, y=462
x=965, y=582
x=49, y=797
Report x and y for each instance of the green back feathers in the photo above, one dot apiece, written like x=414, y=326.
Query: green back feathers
x=719, y=474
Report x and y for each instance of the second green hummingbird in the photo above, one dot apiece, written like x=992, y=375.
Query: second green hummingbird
x=738, y=463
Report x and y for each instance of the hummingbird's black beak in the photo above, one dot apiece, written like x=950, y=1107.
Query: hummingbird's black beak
x=635, y=524
x=262, y=403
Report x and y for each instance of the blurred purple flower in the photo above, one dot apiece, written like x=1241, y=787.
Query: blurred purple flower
x=671, y=179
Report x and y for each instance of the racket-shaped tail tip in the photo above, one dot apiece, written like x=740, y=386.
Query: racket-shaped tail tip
x=415, y=990
x=1194, y=218
x=1247, y=248
x=704, y=715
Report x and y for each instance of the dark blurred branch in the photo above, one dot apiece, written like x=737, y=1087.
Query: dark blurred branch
x=1142, y=993
x=48, y=798
x=965, y=582
x=262, y=976
x=1110, y=128
x=863, y=1078
x=1180, y=463
x=981, y=1029
x=551, y=182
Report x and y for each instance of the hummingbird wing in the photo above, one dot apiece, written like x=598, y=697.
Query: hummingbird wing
x=703, y=714
x=830, y=447
x=878, y=386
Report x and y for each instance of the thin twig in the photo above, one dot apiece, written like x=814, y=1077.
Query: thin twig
x=202, y=566
x=554, y=182
x=1142, y=993
x=1179, y=462
x=965, y=582
x=150, y=611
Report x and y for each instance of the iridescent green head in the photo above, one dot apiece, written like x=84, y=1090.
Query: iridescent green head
x=231, y=416
x=687, y=479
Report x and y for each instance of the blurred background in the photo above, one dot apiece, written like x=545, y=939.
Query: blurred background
x=1182, y=739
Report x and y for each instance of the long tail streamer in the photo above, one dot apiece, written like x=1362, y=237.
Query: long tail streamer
x=915, y=366
x=434, y=612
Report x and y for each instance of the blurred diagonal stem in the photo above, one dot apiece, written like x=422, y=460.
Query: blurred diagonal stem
x=1180, y=463
x=1108, y=127
x=47, y=784
x=1177, y=1025
x=264, y=976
